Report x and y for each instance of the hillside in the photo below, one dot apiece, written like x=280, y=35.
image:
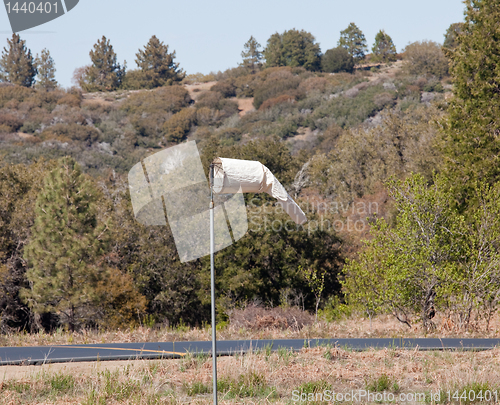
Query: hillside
x=331, y=139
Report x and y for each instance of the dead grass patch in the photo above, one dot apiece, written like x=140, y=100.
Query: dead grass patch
x=256, y=377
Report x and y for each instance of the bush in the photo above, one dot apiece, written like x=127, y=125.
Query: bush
x=276, y=84
x=178, y=126
x=148, y=110
x=425, y=57
x=337, y=60
x=225, y=87
x=214, y=100
x=254, y=317
x=271, y=102
x=10, y=122
x=65, y=132
x=165, y=99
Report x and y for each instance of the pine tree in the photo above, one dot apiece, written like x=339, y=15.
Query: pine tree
x=105, y=73
x=157, y=64
x=353, y=39
x=251, y=54
x=472, y=128
x=65, y=244
x=17, y=65
x=46, y=71
x=383, y=48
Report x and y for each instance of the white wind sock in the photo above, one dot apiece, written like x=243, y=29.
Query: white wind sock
x=248, y=176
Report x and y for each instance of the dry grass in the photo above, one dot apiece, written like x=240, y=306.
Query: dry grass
x=257, y=377
x=257, y=324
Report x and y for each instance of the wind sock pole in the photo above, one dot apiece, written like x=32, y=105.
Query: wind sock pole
x=212, y=277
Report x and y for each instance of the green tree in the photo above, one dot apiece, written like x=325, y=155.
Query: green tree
x=293, y=48
x=251, y=54
x=17, y=65
x=66, y=242
x=433, y=258
x=472, y=128
x=46, y=78
x=337, y=60
x=405, y=267
x=19, y=186
x=353, y=39
x=105, y=73
x=383, y=49
x=452, y=33
x=157, y=64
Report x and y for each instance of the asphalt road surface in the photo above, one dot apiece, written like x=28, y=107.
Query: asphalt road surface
x=158, y=350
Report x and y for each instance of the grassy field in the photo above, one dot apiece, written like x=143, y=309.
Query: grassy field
x=281, y=377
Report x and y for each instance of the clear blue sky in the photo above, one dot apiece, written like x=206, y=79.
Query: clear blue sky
x=209, y=35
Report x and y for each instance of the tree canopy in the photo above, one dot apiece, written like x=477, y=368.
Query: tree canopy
x=472, y=128
x=293, y=48
x=251, y=54
x=383, y=48
x=157, y=64
x=353, y=39
x=46, y=78
x=17, y=64
x=105, y=73
x=337, y=60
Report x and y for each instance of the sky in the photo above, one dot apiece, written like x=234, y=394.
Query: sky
x=209, y=35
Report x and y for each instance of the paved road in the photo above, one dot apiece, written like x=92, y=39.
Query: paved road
x=127, y=351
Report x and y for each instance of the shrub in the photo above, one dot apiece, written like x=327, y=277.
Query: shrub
x=64, y=132
x=284, y=98
x=214, y=100
x=225, y=87
x=178, y=126
x=165, y=99
x=425, y=57
x=254, y=317
x=319, y=84
x=10, y=122
x=281, y=82
x=337, y=60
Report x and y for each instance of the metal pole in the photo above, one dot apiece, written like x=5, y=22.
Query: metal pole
x=212, y=277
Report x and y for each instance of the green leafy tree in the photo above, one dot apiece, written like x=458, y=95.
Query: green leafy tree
x=17, y=65
x=353, y=39
x=405, y=267
x=105, y=73
x=66, y=242
x=452, y=33
x=251, y=54
x=293, y=48
x=157, y=65
x=433, y=258
x=472, y=128
x=337, y=60
x=46, y=78
x=383, y=49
